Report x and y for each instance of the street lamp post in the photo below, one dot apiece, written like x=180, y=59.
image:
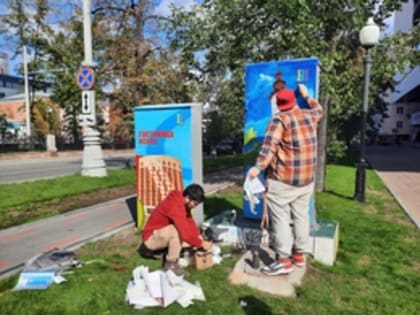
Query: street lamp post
x=368, y=36
x=27, y=103
x=93, y=164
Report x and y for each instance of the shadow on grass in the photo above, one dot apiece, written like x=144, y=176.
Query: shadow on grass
x=336, y=194
x=251, y=306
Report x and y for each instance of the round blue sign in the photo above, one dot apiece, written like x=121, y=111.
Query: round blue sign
x=85, y=78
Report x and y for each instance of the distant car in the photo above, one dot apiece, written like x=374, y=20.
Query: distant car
x=227, y=146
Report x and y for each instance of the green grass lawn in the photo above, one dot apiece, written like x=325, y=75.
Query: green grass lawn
x=42, y=190
x=28, y=201
x=377, y=269
x=23, y=202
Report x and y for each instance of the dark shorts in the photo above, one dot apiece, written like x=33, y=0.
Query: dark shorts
x=147, y=253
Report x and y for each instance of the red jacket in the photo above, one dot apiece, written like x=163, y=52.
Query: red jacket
x=171, y=210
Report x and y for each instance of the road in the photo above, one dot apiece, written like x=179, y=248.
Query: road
x=20, y=170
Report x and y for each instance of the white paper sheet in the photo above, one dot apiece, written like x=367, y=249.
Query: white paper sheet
x=160, y=288
x=138, y=295
x=153, y=284
x=138, y=273
x=252, y=187
x=173, y=278
x=59, y=279
x=170, y=292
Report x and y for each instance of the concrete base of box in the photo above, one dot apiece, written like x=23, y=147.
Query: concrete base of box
x=281, y=285
x=323, y=242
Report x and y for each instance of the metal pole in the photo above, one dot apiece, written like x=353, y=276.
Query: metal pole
x=87, y=34
x=93, y=164
x=361, y=166
x=27, y=105
x=49, y=110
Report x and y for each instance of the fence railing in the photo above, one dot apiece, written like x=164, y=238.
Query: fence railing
x=12, y=143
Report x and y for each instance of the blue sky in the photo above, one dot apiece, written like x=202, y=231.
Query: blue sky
x=65, y=9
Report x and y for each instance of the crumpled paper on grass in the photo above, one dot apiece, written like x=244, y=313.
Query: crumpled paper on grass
x=160, y=288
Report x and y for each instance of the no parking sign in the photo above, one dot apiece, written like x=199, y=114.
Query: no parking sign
x=85, y=78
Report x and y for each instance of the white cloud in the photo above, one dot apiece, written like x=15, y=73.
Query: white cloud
x=164, y=6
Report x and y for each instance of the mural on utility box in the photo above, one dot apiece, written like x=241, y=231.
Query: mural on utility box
x=168, y=153
x=262, y=80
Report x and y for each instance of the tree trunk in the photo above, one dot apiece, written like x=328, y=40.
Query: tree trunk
x=322, y=149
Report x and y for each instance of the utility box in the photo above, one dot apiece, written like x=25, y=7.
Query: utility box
x=323, y=241
x=260, y=106
x=168, y=146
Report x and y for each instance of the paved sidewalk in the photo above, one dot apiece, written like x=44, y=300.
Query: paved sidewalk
x=73, y=229
x=399, y=168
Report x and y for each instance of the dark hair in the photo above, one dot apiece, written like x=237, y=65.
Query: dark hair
x=194, y=192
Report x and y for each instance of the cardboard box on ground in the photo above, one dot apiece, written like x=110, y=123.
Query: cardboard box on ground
x=201, y=260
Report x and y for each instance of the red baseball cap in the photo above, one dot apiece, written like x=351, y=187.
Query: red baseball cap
x=285, y=99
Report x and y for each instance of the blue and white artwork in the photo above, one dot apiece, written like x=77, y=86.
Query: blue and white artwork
x=259, y=108
x=165, y=130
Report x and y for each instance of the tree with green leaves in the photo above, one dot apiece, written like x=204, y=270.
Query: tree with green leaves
x=65, y=56
x=133, y=66
x=135, y=61
x=28, y=26
x=220, y=37
x=46, y=117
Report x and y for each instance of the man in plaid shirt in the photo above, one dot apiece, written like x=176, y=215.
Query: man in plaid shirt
x=288, y=156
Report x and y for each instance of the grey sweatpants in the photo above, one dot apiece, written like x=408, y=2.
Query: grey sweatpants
x=289, y=204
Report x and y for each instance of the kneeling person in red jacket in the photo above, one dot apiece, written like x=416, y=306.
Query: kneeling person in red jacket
x=171, y=227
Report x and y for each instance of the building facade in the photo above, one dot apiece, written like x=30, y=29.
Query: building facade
x=12, y=101
x=403, y=113
x=4, y=63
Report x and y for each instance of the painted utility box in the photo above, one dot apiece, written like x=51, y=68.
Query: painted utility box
x=168, y=146
x=260, y=82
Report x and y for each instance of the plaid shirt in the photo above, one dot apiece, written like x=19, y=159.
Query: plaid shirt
x=288, y=152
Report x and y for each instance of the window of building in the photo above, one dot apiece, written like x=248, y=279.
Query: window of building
x=399, y=124
x=400, y=110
